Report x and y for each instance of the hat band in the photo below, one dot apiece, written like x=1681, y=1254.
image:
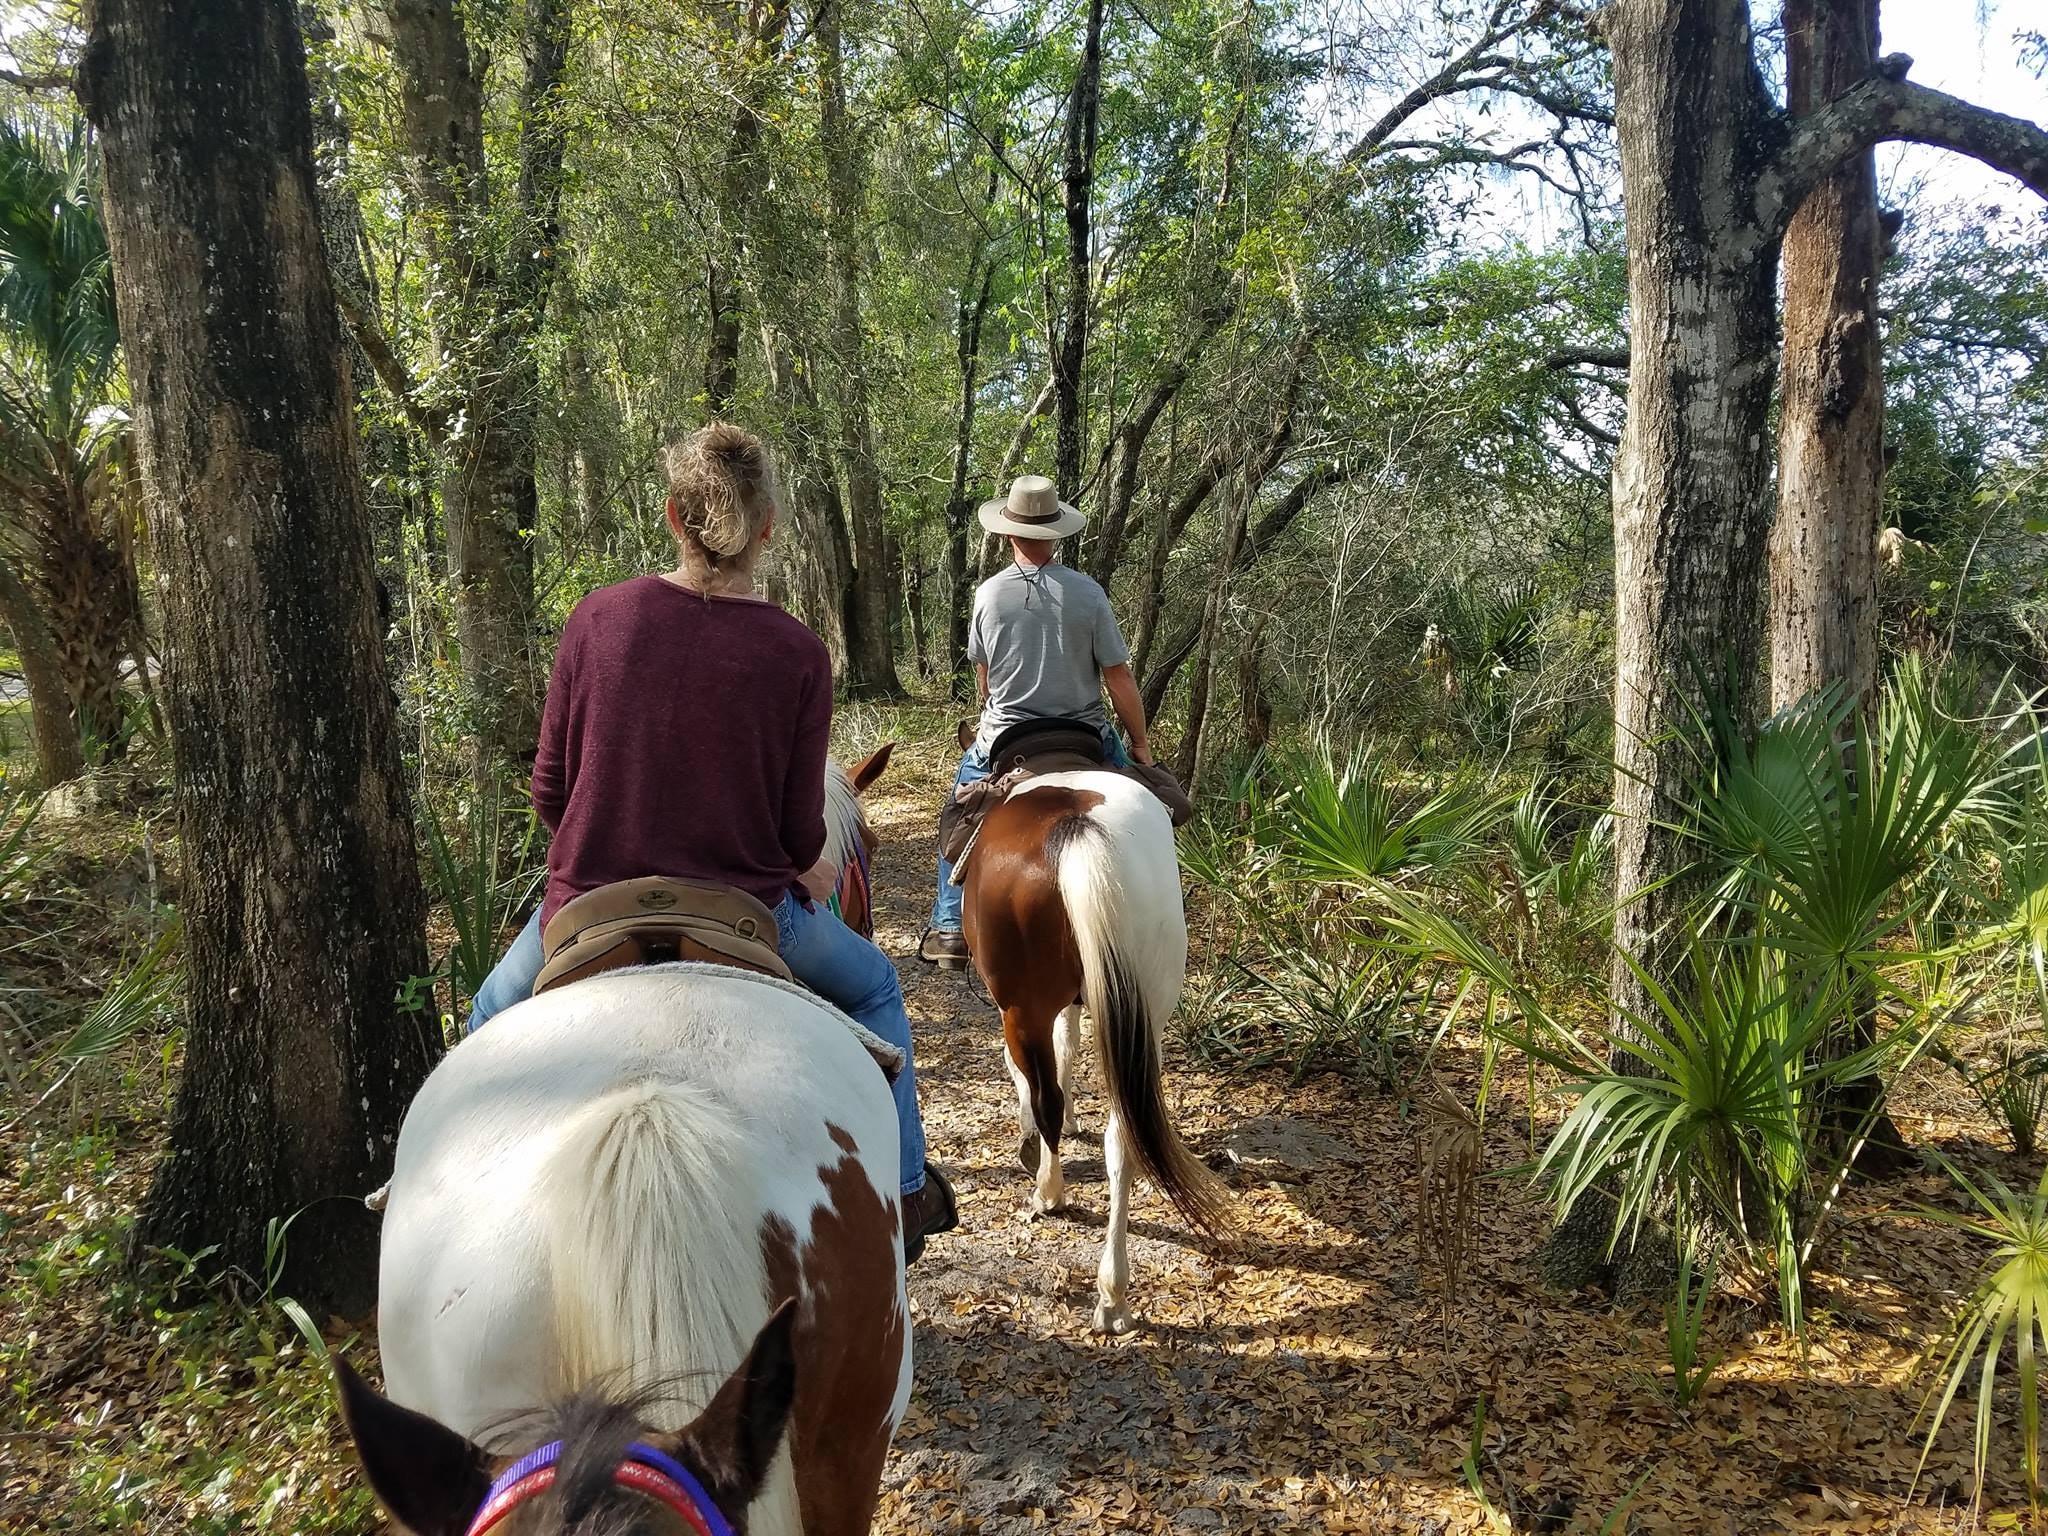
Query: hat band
x=1034, y=517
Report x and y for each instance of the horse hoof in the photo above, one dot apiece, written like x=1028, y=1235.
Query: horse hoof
x=1114, y=1321
x=1028, y=1153
x=1042, y=1207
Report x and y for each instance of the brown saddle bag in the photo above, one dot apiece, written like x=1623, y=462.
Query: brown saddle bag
x=655, y=920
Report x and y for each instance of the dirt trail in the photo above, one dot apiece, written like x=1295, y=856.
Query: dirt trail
x=1306, y=1380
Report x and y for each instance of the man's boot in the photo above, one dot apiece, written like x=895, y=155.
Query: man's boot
x=932, y=1209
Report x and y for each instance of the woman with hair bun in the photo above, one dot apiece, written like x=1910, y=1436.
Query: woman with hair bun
x=685, y=736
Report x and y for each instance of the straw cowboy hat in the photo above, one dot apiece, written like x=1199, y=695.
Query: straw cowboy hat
x=1032, y=510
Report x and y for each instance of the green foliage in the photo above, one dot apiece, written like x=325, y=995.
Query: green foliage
x=142, y=994
x=56, y=281
x=1302, y=980
x=2013, y=1090
x=1685, y=1322
x=19, y=856
x=1829, y=845
x=1358, y=824
x=226, y=1423
x=483, y=881
x=2011, y=1302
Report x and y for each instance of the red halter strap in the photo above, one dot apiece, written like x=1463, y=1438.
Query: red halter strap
x=646, y=1471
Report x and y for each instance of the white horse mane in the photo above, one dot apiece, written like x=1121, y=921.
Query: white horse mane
x=843, y=819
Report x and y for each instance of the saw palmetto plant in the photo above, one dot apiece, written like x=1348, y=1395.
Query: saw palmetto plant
x=2010, y=1304
x=66, y=519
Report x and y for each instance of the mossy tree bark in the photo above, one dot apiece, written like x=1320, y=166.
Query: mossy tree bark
x=304, y=913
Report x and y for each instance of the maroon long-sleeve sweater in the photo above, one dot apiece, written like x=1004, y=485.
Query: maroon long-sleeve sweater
x=686, y=737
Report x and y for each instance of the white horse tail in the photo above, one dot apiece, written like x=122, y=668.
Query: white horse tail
x=1120, y=882
x=656, y=1287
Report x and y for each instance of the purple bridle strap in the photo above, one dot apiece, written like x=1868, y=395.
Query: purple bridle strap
x=679, y=1474
x=644, y=1469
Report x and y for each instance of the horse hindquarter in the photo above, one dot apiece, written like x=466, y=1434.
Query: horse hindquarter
x=625, y=1177
x=1115, y=931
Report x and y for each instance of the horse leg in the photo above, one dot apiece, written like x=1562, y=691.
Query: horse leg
x=1113, y=1274
x=1066, y=1043
x=1041, y=1106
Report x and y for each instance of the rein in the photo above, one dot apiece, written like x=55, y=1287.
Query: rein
x=853, y=878
x=644, y=1470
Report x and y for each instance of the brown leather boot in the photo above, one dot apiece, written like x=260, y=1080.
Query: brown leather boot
x=945, y=948
x=931, y=1209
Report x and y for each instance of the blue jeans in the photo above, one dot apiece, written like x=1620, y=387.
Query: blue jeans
x=822, y=953
x=974, y=767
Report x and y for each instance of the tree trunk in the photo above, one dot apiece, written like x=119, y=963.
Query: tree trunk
x=1246, y=552
x=304, y=914
x=1823, y=617
x=959, y=504
x=722, y=342
x=814, y=564
x=740, y=184
x=491, y=504
x=589, y=471
x=493, y=291
x=994, y=550
x=87, y=591
x=1083, y=111
x=1188, y=765
x=1136, y=432
x=871, y=660
x=1831, y=404
x=1255, y=704
x=1152, y=590
x=1691, y=479
x=1123, y=486
x=58, y=758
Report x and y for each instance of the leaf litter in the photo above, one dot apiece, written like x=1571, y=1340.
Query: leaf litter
x=1310, y=1376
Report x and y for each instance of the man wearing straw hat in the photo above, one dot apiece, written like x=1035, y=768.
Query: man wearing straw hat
x=1044, y=646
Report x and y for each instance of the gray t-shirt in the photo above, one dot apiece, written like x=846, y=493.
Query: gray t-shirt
x=1045, y=634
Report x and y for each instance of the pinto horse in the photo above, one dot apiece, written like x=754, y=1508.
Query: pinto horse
x=639, y=1187
x=1072, y=897
x=849, y=841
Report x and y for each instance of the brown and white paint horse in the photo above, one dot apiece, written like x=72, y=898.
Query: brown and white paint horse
x=1073, y=896
x=613, y=1189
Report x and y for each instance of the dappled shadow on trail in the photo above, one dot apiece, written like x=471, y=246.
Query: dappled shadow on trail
x=1303, y=1375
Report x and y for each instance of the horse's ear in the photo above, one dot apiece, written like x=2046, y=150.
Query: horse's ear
x=871, y=767
x=965, y=732
x=733, y=1442
x=429, y=1479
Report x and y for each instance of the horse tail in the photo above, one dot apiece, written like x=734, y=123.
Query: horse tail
x=656, y=1288
x=1120, y=882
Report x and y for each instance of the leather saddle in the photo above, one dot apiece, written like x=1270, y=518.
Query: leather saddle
x=655, y=920
x=1030, y=748
x=1045, y=746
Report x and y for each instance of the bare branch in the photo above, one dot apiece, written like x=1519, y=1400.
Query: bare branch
x=1585, y=423
x=1889, y=108
x=391, y=371
x=19, y=81
x=1587, y=357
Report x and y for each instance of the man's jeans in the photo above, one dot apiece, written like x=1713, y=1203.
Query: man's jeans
x=974, y=767
x=822, y=953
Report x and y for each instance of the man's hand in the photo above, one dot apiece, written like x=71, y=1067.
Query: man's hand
x=1141, y=753
x=821, y=880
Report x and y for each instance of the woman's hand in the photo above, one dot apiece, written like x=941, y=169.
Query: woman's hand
x=821, y=880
